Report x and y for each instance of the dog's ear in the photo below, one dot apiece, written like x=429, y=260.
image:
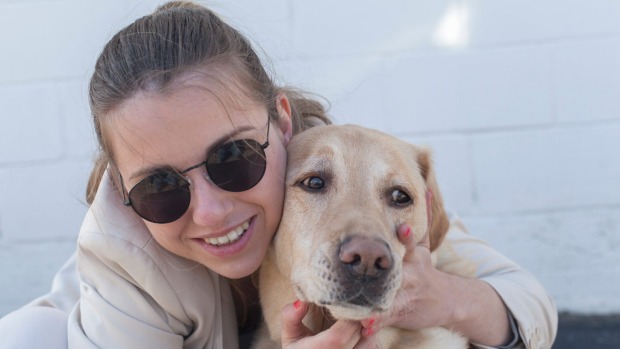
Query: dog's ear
x=439, y=224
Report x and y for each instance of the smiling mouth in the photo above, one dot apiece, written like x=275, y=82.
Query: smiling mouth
x=229, y=238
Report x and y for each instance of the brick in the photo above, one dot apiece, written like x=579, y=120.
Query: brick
x=452, y=161
x=43, y=202
x=47, y=50
x=572, y=253
x=333, y=28
x=25, y=278
x=348, y=85
x=514, y=21
x=467, y=91
x=79, y=133
x=547, y=169
x=587, y=80
x=31, y=124
x=267, y=24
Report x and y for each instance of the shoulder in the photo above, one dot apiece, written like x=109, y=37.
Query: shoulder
x=115, y=248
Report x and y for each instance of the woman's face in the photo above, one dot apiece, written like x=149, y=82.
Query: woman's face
x=177, y=129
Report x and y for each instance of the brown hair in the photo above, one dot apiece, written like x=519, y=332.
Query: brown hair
x=149, y=54
x=178, y=37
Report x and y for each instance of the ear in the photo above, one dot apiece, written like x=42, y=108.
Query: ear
x=439, y=222
x=284, y=121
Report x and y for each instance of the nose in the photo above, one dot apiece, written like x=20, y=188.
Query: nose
x=365, y=257
x=209, y=204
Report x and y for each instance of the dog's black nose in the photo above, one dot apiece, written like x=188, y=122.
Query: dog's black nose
x=365, y=257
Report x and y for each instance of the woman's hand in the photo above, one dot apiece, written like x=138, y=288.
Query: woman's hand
x=429, y=297
x=422, y=301
x=343, y=334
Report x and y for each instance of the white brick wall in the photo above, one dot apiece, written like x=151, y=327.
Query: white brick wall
x=519, y=100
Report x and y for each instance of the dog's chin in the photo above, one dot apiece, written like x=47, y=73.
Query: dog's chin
x=352, y=312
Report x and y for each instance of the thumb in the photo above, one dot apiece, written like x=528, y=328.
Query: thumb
x=405, y=235
x=426, y=241
x=293, y=328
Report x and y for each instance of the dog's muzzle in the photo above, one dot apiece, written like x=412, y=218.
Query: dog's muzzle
x=363, y=269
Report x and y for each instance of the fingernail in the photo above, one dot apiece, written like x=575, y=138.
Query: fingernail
x=369, y=331
x=407, y=232
x=371, y=321
x=297, y=304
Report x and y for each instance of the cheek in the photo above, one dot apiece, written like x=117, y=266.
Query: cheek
x=167, y=236
x=271, y=193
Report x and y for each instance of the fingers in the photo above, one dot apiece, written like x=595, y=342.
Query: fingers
x=405, y=236
x=292, y=327
x=367, y=343
x=343, y=334
x=368, y=326
x=426, y=242
x=404, y=230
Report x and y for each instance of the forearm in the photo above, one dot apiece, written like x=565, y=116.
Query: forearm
x=478, y=312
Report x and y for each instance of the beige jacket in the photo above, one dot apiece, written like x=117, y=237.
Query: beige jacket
x=134, y=294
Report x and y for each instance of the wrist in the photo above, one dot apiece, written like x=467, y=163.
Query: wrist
x=458, y=307
x=477, y=312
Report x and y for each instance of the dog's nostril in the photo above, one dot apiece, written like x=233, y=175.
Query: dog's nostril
x=365, y=257
x=383, y=263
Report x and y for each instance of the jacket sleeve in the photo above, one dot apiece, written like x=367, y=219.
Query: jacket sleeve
x=525, y=298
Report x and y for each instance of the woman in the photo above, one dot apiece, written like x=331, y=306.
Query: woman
x=170, y=231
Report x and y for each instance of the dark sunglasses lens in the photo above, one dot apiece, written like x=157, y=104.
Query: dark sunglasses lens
x=161, y=198
x=237, y=166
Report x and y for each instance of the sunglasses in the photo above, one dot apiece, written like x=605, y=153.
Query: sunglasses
x=164, y=197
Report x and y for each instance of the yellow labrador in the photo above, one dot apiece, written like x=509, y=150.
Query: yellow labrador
x=348, y=189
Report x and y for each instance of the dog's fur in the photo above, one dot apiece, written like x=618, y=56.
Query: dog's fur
x=337, y=246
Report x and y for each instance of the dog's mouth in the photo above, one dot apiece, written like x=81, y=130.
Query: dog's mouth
x=353, y=301
x=352, y=278
x=356, y=308
x=360, y=300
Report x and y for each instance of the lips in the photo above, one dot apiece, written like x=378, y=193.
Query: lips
x=231, y=237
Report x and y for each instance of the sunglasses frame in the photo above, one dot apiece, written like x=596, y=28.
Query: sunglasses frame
x=127, y=193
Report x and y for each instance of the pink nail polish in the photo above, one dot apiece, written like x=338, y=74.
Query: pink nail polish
x=297, y=304
x=369, y=331
x=407, y=232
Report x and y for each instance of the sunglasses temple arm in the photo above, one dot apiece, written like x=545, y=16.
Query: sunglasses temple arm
x=126, y=200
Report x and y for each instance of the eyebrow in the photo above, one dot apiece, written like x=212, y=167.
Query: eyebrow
x=142, y=172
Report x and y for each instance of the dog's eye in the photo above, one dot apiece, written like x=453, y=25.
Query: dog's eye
x=400, y=198
x=314, y=183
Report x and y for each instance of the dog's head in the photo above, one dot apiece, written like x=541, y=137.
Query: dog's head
x=348, y=189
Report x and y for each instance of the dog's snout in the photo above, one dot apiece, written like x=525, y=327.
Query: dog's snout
x=365, y=257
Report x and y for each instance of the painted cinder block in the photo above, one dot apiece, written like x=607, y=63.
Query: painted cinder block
x=31, y=124
x=78, y=130
x=59, y=39
x=348, y=87
x=547, y=169
x=451, y=158
x=43, y=202
x=327, y=28
x=572, y=252
x=531, y=22
x=587, y=80
x=468, y=91
x=267, y=24
x=27, y=270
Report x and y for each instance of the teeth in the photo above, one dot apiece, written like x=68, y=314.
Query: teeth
x=232, y=236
